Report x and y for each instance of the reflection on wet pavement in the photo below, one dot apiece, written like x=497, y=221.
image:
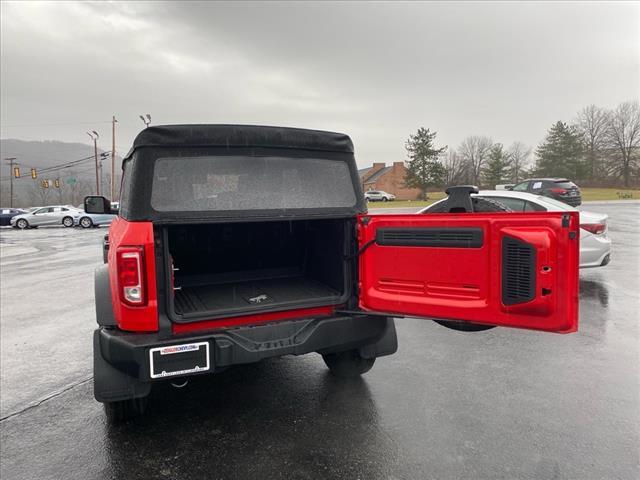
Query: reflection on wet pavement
x=594, y=289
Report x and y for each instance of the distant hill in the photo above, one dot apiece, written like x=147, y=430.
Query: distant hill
x=76, y=180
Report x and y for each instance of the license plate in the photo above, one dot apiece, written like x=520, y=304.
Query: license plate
x=181, y=359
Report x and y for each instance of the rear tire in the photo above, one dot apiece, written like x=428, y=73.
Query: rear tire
x=124, y=410
x=22, y=224
x=67, y=222
x=86, y=222
x=348, y=364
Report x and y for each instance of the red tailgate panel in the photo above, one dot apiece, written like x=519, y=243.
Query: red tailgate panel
x=507, y=269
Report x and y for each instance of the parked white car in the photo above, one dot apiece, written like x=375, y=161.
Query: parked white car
x=378, y=196
x=65, y=215
x=595, y=244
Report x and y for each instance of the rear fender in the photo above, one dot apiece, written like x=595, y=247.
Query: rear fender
x=102, y=290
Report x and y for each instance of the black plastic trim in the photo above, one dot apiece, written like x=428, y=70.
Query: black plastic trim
x=470, y=237
x=102, y=293
x=128, y=352
x=518, y=271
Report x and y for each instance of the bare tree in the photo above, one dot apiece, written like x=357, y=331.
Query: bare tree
x=455, y=168
x=519, y=154
x=624, y=135
x=474, y=151
x=593, y=124
x=38, y=195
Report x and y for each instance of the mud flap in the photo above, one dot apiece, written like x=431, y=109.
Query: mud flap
x=102, y=291
x=109, y=383
x=387, y=345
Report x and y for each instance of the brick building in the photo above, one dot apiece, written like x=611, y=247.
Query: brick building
x=389, y=179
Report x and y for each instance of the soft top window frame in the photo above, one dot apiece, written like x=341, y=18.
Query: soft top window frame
x=136, y=205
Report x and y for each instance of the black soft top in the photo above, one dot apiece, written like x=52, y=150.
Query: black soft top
x=183, y=143
x=234, y=136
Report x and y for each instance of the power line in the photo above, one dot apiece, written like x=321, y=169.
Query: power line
x=65, y=165
x=54, y=168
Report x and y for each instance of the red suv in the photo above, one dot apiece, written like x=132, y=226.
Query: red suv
x=237, y=243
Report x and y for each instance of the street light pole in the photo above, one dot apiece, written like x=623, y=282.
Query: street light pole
x=94, y=136
x=146, y=119
x=11, y=164
x=113, y=158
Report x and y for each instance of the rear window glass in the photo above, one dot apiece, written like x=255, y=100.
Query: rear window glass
x=515, y=204
x=214, y=183
x=559, y=205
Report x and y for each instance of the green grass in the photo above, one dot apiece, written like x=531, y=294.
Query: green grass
x=610, y=194
x=588, y=194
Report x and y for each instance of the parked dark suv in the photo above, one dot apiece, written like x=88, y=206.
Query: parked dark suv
x=559, y=188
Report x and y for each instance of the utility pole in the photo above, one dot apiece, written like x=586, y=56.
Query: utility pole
x=103, y=156
x=11, y=161
x=94, y=136
x=113, y=158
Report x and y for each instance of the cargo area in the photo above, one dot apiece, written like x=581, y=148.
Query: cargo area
x=236, y=268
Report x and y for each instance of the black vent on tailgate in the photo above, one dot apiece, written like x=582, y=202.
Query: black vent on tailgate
x=518, y=271
x=430, y=237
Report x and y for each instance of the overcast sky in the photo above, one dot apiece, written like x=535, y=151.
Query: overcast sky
x=376, y=71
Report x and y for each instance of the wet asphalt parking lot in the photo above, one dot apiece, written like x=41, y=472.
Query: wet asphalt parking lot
x=449, y=405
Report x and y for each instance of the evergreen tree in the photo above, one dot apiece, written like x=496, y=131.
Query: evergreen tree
x=497, y=168
x=424, y=168
x=561, y=154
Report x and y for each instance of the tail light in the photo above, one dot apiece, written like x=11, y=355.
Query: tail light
x=130, y=262
x=595, y=228
x=559, y=191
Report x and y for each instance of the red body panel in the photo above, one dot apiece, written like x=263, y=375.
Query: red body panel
x=252, y=319
x=122, y=234
x=465, y=283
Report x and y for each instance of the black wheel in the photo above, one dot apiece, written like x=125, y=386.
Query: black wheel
x=481, y=205
x=86, y=222
x=118, y=412
x=385, y=199
x=67, y=222
x=22, y=224
x=348, y=364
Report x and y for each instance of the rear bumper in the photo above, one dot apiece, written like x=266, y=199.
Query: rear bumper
x=127, y=353
x=573, y=201
x=595, y=251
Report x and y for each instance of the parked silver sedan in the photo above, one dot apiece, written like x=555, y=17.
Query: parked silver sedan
x=64, y=215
